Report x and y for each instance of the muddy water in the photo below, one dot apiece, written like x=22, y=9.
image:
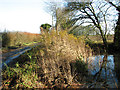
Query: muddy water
x=105, y=71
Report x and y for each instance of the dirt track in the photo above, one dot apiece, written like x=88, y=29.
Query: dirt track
x=9, y=56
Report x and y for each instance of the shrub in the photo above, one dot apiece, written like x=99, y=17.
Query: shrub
x=60, y=50
x=49, y=65
x=5, y=39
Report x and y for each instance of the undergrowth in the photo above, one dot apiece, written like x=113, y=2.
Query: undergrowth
x=59, y=62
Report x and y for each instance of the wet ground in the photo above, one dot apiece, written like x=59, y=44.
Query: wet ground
x=8, y=57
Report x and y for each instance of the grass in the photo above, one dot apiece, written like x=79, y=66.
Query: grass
x=49, y=65
x=96, y=44
x=101, y=42
x=97, y=38
x=14, y=40
x=21, y=76
x=98, y=47
x=11, y=48
x=19, y=38
x=30, y=43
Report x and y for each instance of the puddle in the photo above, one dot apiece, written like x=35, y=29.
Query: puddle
x=12, y=57
x=104, y=68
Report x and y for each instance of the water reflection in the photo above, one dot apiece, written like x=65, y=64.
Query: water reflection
x=104, y=69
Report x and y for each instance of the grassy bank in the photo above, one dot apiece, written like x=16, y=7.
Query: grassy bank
x=14, y=40
x=96, y=44
x=98, y=48
x=18, y=38
x=60, y=62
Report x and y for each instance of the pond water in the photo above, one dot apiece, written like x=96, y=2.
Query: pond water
x=105, y=70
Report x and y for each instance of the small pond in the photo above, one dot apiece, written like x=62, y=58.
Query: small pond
x=104, y=71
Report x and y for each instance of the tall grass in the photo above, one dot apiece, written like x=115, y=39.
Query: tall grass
x=50, y=65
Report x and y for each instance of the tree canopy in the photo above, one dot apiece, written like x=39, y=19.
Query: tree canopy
x=46, y=27
x=100, y=14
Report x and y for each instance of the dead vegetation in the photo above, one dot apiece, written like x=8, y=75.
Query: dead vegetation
x=60, y=62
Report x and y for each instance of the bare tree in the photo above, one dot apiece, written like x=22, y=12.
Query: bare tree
x=61, y=18
x=92, y=12
x=117, y=28
x=56, y=10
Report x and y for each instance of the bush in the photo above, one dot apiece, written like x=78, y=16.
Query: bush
x=48, y=65
x=5, y=39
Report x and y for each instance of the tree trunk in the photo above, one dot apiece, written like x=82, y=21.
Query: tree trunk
x=117, y=29
x=105, y=44
x=117, y=34
x=104, y=39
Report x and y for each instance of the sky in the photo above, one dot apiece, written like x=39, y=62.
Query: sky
x=23, y=15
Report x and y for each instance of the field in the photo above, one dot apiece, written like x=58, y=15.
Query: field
x=13, y=40
x=97, y=46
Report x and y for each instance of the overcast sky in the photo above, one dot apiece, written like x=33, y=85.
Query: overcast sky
x=23, y=15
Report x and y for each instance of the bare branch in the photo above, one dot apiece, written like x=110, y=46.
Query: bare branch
x=117, y=7
x=104, y=20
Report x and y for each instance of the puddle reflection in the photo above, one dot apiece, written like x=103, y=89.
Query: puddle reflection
x=105, y=68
